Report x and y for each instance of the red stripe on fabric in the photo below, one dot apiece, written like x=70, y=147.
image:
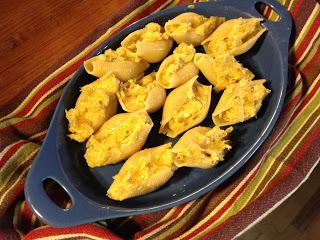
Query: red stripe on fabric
x=15, y=195
x=27, y=215
x=298, y=110
x=159, y=224
x=305, y=102
x=294, y=161
x=222, y=210
x=45, y=89
x=268, y=12
x=311, y=63
x=34, y=120
x=306, y=40
x=89, y=229
x=296, y=7
x=289, y=106
x=11, y=152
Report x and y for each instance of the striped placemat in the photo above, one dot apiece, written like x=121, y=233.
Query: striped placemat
x=276, y=170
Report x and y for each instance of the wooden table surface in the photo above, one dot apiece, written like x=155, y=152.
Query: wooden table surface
x=37, y=36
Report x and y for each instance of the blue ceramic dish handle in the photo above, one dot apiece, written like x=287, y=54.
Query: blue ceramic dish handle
x=46, y=166
x=83, y=210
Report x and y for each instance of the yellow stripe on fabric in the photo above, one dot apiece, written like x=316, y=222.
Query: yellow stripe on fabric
x=242, y=200
x=13, y=185
x=314, y=43
x=270, y=158
x=295, y=125
x=186, y=207
x=71, y=235
x=17, y=217
x=60, y=84
x=183, y=220
x=219, y=207
x=88, y=49
x=305, y=28
x=25, y=153
x=44, y=104
x=309, y=55
x=274, y=16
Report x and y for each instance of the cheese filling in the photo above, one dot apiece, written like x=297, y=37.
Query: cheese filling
x=238, y=35
x=199, y=24
x=110, y=143
x=189, y=111
x=182, y=55
x=151, y=32
x=146, y=167
x=134, y=92
x=229, y=71
x=120, y=54
x=206, y=149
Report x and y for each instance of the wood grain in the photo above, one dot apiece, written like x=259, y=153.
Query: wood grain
x=37, y=36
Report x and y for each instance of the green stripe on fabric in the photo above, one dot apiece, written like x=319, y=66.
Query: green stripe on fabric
x=296, y=124
x=309, y=56
x=14, y=162
x=184, y=219
x=40, y=107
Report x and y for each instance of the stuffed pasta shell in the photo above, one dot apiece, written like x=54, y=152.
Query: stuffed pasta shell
x=202, y=147
x=177, y=68
x=120, y=61
x=185, y=107
x=141, y=94
x=151, y=43
x=236, y=36
x=97, y=102
x=222, y=69
x=144, y=172
x=192, y=28
x=118, y=138
x=240, y=102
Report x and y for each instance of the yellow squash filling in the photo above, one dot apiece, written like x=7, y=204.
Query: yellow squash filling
x=142, y=173
x=198, y=23
x=145, y=168
x=120, y=54
x=134, y=92
x=151, y=32
x=108, y=144
x=190, y=109
x=237, y=35
x=183, y=54
x=229, y=71
x=94, y=106
x=247, y=102
x=205, y=149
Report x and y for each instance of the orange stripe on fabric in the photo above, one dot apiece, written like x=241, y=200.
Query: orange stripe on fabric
x=305, y=42
x=11, y=151
x=147, y=231
x=221, y=211
x=90, y=229
x=289, y=167
x=313, y=60
x=44, y=112
x=17, y=192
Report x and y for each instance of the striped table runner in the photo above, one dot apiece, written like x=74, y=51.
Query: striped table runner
x=276, y=170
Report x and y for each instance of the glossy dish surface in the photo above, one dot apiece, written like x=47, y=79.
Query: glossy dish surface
x=63, y=160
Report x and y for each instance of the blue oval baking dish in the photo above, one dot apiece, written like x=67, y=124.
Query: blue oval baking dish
x=63, y=160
